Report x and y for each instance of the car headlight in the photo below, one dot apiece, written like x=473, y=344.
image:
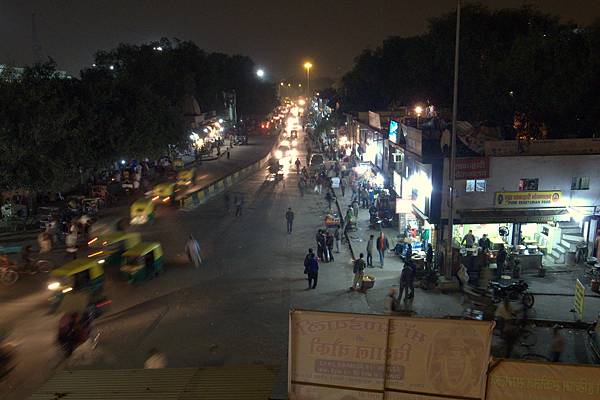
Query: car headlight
x=278, y=154
x=53, y=285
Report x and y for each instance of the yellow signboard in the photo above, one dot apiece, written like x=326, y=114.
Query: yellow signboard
x=528, y=199
x=518, y=380
x=579, y=298
x=386, y=355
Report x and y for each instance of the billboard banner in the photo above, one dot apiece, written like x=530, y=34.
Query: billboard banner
x=543, y=381
x=472, y=168
x=537, y=199
x=309, y=392
x=376, y=353
x=439, y=356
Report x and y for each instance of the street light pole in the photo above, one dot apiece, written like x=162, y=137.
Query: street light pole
x=308, y=66
x=451, y=193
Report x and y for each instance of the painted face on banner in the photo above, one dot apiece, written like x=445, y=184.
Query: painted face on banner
x=453, y=363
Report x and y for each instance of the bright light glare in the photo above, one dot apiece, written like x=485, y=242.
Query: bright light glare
x=285, y=143
x=101, y=261
x=260, y=72
x=67, y=290
x=278, y=154
x=418, y=110
x=53, y=286
x=294, y=143
x=293, y=153
x=302, y=102
x=308, y=65
x=379, y=180
x=220, y=120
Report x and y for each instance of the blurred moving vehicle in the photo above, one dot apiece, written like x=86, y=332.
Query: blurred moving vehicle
x=142, y=211
x=283, y=151
x=164, y=193
x=316, y=162
x=144, y=260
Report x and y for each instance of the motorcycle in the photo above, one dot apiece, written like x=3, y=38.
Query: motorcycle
x=512, y=291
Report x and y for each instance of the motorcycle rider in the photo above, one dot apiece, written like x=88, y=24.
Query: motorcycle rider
x=500, y=260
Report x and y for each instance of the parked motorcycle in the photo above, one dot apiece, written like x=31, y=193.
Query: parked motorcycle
x=513, y=291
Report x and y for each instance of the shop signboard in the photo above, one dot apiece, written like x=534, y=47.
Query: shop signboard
x=332, y=355
x=537, y=199
x=413, y=138
x=579, y=298
x=374, y=120
x=472, y=168
x=404, y=206
x=519, y=380
x=393, y=135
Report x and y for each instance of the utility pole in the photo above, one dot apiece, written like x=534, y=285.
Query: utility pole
x=36, y=48
x=448, y=258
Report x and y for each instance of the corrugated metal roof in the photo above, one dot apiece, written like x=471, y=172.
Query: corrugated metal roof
x=252, y=382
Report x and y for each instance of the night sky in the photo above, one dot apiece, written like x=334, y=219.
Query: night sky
x=277, y=34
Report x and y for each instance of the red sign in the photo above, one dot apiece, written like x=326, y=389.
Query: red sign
x=472, y=168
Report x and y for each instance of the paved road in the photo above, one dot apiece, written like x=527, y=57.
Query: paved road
x=24, y=306
x=234, y=309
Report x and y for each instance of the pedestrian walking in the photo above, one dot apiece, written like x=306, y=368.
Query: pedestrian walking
x=337, y=236
x=329, y=244
x=370, y=251
x=297, y=163
x=355, y=208
x=192, y=250
x=228, y=155
x=382, y=246
x=407, y=279
x=311, y=269
x=301, y=186
x=390, y=303
x=343, y=183
x=320, y=244
x=289, y=217
x=329, y=199
x=238, y=206
x=358, y=269
x=558, y=344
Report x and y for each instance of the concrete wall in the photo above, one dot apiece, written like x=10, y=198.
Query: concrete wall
x=553, y=172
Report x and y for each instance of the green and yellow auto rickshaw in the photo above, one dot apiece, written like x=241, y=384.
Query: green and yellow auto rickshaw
x=186, y=178
x=144, y=260
x=164, y=193
x=142, y=211
x=111, y=246
x=178, y=164
x=82, y=274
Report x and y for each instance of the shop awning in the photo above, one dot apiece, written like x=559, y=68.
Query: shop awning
x=517, y=215
x=214, y=383
x=419, y=214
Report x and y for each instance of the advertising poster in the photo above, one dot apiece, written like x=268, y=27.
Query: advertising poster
x=354, y=356
x=439, y=356
x=305, y=392
x=543, y=381
x=472, y=168
x=338, y=349
x=528, y=199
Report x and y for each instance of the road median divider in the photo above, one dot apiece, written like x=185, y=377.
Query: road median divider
x=194, y=199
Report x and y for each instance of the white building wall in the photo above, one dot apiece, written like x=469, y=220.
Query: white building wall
x=553, y=172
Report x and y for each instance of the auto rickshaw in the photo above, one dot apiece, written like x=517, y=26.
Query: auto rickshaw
x=82, y=274
x=164, y=193
x=111, y=246
x=186, y=177
x=144, y=260
x=142, y=211
x=178, y=163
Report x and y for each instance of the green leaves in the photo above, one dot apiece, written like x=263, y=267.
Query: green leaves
x=129, y=105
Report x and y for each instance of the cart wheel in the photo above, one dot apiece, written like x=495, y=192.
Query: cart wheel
x=9, y=276
x=43, y=266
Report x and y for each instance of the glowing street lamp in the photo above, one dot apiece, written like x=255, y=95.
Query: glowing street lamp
x=308, y=65
x=260, y=73
x=418, y=111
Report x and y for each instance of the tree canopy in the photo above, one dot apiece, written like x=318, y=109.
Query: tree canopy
x=513, y=62
x=128, y=105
